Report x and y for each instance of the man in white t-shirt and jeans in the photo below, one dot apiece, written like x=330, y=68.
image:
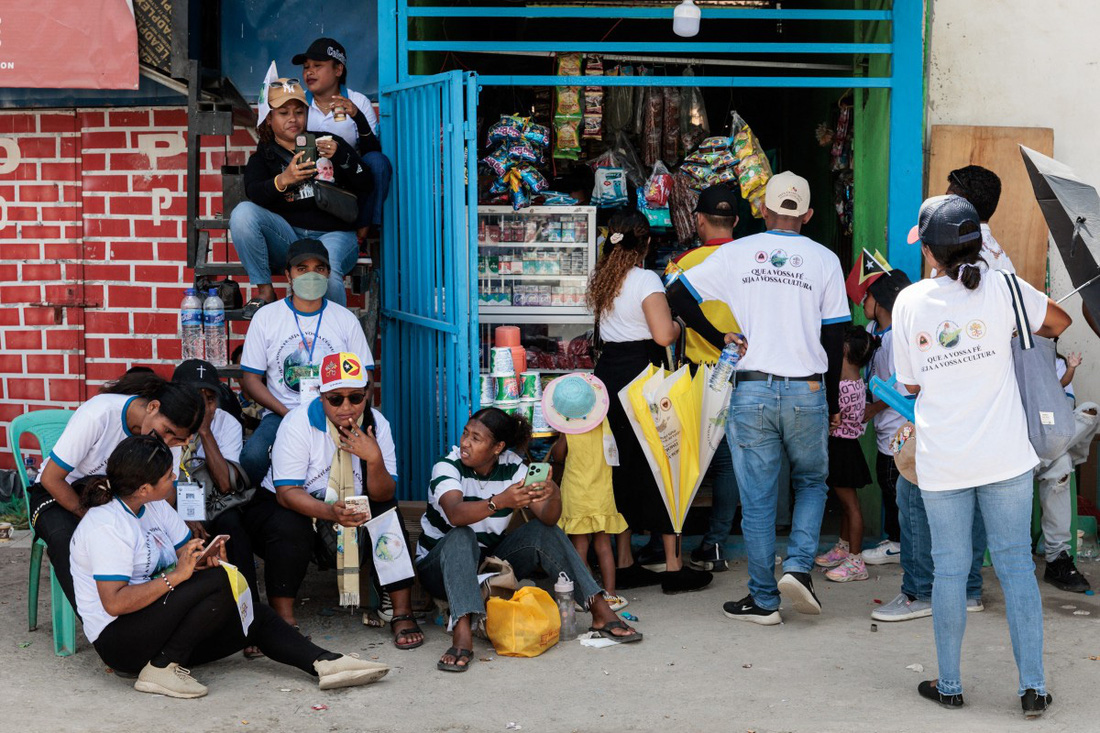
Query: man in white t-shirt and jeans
x=787, y=293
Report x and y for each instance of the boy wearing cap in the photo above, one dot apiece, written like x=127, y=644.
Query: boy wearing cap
x=788, y=294
x=285, y=344
x=336, y=109
x=283, y=204
x=715, y=219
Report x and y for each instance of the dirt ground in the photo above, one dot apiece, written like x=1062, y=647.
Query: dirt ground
x=695, y=671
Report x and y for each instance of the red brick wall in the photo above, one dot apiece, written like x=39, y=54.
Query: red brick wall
x=93, y=248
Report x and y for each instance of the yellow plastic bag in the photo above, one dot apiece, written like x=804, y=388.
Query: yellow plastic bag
x=525, y=625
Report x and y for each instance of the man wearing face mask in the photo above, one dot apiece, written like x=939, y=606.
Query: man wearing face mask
x=286, y=342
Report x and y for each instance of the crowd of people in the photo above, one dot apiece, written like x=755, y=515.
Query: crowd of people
x=322, y=459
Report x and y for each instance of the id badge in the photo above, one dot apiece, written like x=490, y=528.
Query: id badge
x=190, y=502
x=310, y=388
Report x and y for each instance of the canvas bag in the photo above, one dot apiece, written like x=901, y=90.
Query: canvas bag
x=1050, y=422
x=524, y=626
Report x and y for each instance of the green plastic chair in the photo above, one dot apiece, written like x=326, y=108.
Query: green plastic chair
x=46, y=426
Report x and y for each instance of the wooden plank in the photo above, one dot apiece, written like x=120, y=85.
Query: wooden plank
x=1018, y=223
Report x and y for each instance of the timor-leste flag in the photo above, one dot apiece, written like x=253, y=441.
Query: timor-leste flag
x=868, y=268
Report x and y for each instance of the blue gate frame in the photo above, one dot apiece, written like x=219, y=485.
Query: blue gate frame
x=906, y=154
x=428, y=327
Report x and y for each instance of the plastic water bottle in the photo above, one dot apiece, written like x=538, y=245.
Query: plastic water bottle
x=213, y=326
x=727, y=363
x=191, y=325
x=32, y=470
x=563, y=595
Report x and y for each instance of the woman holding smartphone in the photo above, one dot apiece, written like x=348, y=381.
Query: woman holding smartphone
x=473, y=492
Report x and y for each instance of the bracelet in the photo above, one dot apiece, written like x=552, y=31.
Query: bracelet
x=164, y=577
x=276, y=182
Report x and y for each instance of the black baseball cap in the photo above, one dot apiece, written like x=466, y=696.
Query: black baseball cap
x=885, y=288
x=306, y=249
x=198, y=373
x=323, y=49
x=717, y=200
x=940, y=219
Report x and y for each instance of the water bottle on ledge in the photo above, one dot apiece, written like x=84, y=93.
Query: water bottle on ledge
x=191, y=325
x=214, y=332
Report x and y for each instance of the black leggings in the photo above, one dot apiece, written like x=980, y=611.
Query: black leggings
x=55, y=525
x=198, y=623
x=886, y=471
x=238, y=550
x=286, y=541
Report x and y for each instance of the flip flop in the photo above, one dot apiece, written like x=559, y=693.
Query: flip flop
x=398, y=637
x=458, y=654
x=253, y=652
x=605, y=632
x=251, y=307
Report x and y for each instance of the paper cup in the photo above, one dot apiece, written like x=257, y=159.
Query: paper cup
x=509, y=407
x=502, y=360
x=538, y=421
x=519, y=359
x=506, y=335
x=488, y=389
x=530, y=386
x=527, y=409
x=507, y=389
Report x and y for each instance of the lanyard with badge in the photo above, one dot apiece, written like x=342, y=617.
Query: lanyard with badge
x=309, y=377
x=190, y=495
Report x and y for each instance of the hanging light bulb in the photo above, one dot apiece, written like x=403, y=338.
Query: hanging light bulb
x=685, y=19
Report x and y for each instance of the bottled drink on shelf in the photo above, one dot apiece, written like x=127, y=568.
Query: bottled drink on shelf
x=191, y=325
x=214, y=331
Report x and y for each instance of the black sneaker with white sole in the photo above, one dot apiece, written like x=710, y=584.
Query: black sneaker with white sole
x=798, y=588
x=1035, y=704
x=747, y=610
x=1064, y=575
x=708, y=558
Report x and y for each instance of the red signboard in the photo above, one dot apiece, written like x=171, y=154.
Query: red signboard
x=68, y=44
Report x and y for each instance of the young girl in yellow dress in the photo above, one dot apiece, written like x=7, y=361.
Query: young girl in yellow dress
x=576, y=406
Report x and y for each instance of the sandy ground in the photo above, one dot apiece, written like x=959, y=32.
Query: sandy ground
x=695, y=671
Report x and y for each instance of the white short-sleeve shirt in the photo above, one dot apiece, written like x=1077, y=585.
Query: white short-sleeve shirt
x=303, y=451
x=625, y=320
x=889, y=420
x=325, y=122
x=288, y=346
x=955, y=344
x=113, y=543
x=782, y=288
x=92, y=434
x=228, y=433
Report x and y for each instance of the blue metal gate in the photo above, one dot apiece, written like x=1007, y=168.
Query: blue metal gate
x=429, y=313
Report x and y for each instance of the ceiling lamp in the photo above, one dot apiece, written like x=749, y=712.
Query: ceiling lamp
x=685, y=19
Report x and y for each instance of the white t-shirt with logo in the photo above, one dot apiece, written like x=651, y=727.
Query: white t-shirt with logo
x=889, y=420
x=782, y=288
x=279, y=339
x=303, y=451
x=92, y=434
x=325, y=122
x=625, y=320
x=112, y=543
x=955, y=344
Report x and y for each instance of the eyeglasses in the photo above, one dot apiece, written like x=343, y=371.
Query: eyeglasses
x=338, y=399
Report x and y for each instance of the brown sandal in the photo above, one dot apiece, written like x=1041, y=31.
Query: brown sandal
x=399, y=636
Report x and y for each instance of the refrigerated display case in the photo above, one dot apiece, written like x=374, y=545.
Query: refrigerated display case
x=533, y=268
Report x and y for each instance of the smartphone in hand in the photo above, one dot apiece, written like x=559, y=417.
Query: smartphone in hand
x=306, y=143
x=212, y=547
x=537, y=473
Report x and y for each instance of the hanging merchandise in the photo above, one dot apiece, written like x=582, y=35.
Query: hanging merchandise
x=618, y=103
x=694, y=125
x=653, y=197
x=568, y=116
x=520, y=146
x=710, y=165
x=593, y=101
x=671, y=139
x=682, y=203
x=841, y=151
x=753, y=169
x=652, y=129
x=610, y=191
x=621, y=154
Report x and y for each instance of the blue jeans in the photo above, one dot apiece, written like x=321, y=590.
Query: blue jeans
x=765, y=418
x=1006, y=509
x=262, y=239
x=256, y=452
x=370, y=206
x=726, y=498
x=450, y=570
x=916, y=546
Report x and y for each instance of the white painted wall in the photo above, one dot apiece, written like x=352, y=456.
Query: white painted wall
x=1032, y=63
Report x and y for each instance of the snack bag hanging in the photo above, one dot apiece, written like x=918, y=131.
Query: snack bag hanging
x=525, y=625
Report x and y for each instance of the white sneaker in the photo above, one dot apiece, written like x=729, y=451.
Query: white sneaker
x=887, y=552
x=902, y=609
x=173, y=681
x=348, y=671
x=974, y=605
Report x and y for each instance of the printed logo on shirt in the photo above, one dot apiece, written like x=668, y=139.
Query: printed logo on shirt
x=294, y=356
x=778, y=258
x=761, y=257
x=796, y=261
x=975, y=329
x=924, y=341
x=948, y=334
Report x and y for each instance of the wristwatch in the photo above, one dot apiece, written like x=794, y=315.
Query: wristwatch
x=492, y=506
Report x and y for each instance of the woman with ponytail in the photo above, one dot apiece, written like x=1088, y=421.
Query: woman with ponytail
x=953, y=348
x=473, y=493
x=140, y=403
x=635, y=325
x=151, y=602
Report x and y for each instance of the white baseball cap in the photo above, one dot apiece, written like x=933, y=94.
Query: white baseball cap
x=787, y=194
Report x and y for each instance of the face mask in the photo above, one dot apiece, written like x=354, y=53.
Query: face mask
x=310, y=285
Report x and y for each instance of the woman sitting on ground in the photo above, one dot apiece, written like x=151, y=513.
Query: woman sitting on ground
x=472, y=495
x=152, y=607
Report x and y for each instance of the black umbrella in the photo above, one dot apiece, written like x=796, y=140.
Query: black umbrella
x=1072, y=210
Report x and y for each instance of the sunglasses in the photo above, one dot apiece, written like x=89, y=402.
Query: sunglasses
x=338, y=399
x=289, y=84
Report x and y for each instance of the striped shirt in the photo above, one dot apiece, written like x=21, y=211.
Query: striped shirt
x=450, y=474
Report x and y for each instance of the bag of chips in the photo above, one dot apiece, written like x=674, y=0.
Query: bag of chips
x=567, y=136
x=714, y=144
x=498, y=161
x=658, y=187
x=537, y=135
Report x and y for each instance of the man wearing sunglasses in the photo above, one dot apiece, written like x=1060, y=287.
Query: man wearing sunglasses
x=286, y=343
x=327, y=450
